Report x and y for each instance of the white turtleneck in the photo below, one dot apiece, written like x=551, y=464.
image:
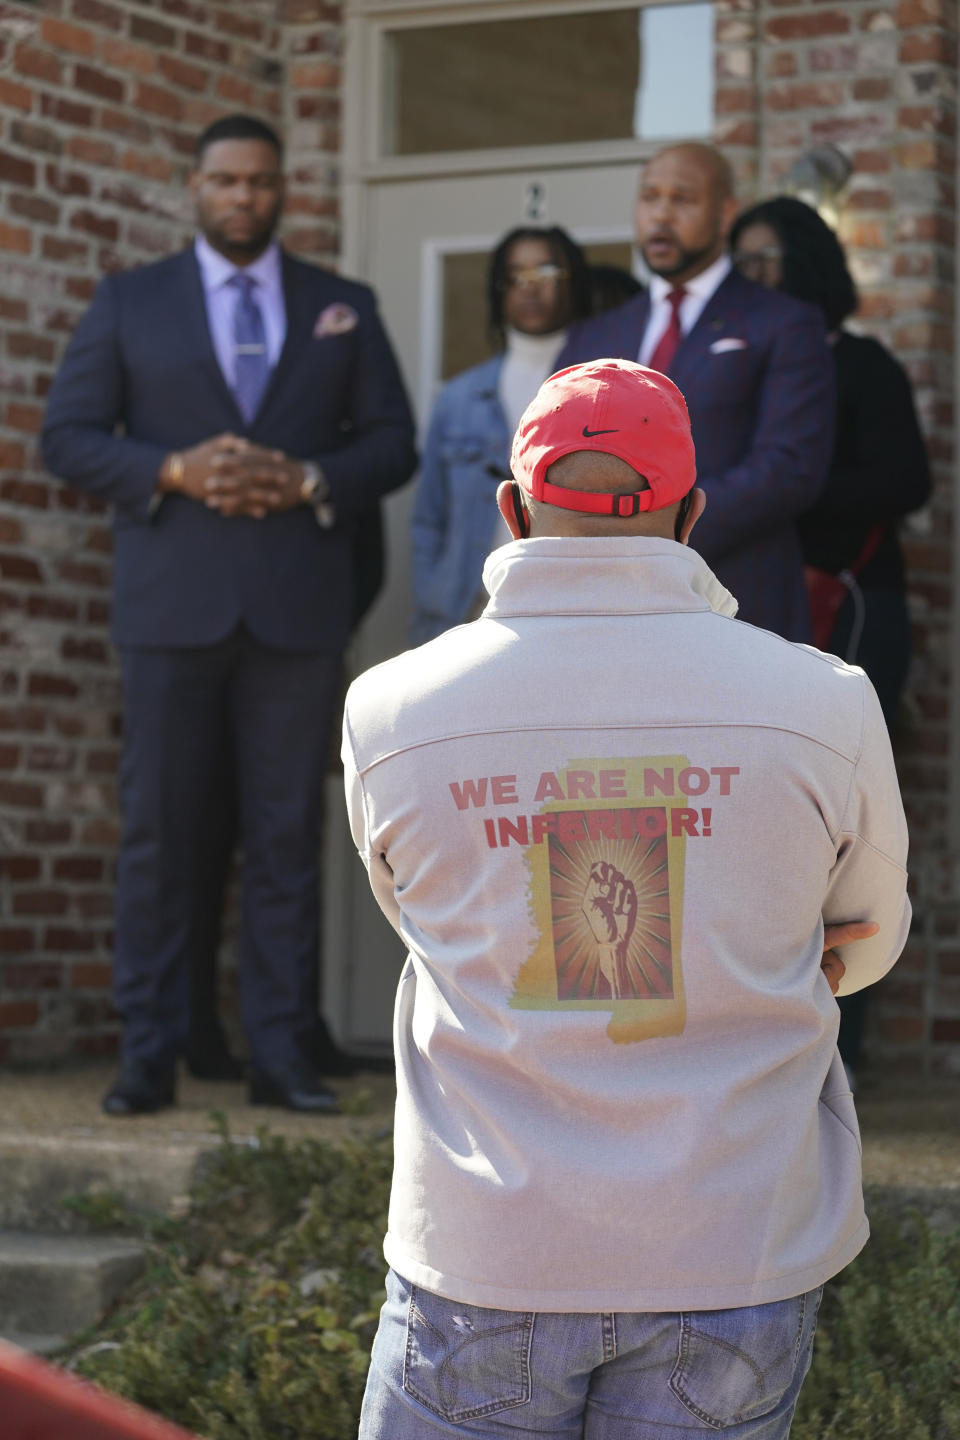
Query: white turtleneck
x=528, y=360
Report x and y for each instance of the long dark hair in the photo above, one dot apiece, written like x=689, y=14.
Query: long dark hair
x=814, y=265
x=566, y=253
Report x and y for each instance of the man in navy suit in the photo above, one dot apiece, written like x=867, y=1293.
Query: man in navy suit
x=242, y=411
x=754, y=368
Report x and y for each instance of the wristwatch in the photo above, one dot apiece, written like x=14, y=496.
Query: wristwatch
x=313, y=486
x=315, y=491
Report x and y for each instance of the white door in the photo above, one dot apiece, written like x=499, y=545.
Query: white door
x=424, y=245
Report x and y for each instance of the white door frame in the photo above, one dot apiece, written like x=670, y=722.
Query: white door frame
x=363, y=168
x=365, y=24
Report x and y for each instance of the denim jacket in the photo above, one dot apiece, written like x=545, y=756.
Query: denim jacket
x=466, y=455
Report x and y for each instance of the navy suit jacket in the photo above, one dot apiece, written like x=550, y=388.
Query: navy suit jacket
x=757, y=376
x=140, y=378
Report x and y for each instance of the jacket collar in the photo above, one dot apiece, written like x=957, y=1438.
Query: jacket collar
x=485, y=377
x=301, y=317
x=722, y=315
x=639, y=575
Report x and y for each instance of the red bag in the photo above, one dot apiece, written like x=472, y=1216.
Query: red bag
x=826, y=592
x=42, y=1402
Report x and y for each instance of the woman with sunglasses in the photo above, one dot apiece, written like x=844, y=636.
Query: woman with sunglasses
x=537, y=283
x=879, y=471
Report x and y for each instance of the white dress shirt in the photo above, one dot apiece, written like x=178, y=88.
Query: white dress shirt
x=700, y=291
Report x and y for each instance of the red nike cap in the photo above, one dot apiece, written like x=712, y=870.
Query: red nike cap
x=617, y=408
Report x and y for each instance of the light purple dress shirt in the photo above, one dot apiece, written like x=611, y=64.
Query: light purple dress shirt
x=221, y=298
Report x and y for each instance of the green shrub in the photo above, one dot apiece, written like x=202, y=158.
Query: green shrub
x=258, y=1309
x=886, y=1363
x=255, y=1317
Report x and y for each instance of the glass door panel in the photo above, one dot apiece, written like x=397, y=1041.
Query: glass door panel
x=604, y=74
x=466, y=338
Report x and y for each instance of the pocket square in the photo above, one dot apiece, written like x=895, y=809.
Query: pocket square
x=335, y=320
x=720, y=347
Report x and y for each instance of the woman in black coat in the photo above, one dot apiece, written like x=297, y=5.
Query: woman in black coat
x=879, y=471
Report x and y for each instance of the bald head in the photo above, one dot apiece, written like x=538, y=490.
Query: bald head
x=685, y=208
x=716, y=168
x=594, y=471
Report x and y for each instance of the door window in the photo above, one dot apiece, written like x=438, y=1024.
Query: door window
x=598, y=75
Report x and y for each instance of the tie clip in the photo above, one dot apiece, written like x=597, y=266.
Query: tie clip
x=249, y=349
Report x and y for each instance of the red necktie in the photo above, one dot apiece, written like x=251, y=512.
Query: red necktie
x=666, y=348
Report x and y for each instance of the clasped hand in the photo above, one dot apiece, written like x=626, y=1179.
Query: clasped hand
x=842, y=934
x=236, y=477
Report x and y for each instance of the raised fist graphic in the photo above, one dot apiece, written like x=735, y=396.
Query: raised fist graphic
x=610, y=907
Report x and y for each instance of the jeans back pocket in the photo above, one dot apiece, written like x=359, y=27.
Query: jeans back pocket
x=736, y=1365
x=464, y=1361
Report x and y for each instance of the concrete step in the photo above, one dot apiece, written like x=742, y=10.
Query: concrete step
x=46, y=1346
x=52, y=1285
x=40, y=1171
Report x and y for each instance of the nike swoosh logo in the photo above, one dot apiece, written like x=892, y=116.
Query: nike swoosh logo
x=589, y=434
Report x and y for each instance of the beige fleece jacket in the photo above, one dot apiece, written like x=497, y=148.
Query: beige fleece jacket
x=608, y=821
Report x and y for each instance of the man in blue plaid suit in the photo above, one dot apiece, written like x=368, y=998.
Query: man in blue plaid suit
x=754, y=367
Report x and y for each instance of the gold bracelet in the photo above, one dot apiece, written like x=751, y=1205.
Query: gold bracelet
x=174, y=468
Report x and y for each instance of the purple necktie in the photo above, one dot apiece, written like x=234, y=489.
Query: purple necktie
x=251, y=365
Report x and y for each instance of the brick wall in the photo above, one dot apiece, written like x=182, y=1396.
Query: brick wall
x=100, y=101
x=879, y=81
x=313, y=41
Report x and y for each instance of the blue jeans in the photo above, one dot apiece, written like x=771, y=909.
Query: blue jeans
x=441, y=1368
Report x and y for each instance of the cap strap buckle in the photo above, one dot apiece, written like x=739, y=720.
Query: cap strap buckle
x=594, y=502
